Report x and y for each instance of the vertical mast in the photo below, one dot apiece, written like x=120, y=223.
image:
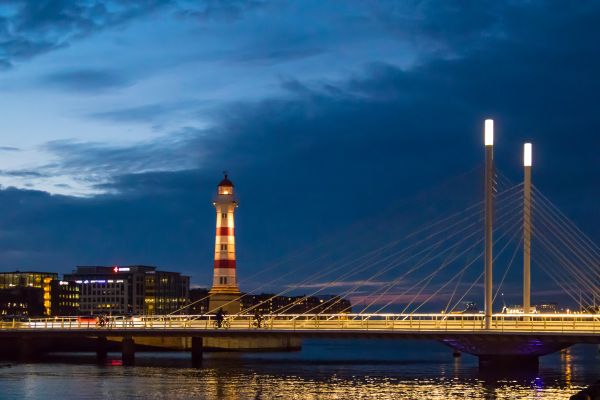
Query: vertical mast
x=489, y=210
x=527, y=163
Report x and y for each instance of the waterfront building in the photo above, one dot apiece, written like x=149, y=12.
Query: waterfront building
x=61, y=297
x=225, y=292
x=21, y=301
x=25, y=293
x=25, y=279
x=165, y=292
x=134, y=289
x=198, y=301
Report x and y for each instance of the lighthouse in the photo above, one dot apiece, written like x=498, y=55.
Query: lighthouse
x=225, y=292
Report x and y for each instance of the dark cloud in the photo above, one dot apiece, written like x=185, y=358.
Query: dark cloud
x=211, y=10
x=268, y=56
x=310, y=163
x=23, y=173
x=85, y=80
x=156, y=112
x=100, y=161
x=30, y=28
x=9, y=148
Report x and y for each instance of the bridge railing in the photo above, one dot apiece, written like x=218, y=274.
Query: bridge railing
x=587, y=323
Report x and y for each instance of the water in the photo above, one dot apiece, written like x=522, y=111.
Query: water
x=351, y=369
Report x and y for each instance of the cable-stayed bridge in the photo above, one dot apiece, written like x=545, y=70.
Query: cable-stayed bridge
x=436, y=266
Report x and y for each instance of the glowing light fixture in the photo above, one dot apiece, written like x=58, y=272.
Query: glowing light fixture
x=489, y=132
x=527, y=157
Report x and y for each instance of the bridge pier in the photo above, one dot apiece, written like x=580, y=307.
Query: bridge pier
x=128, y=351
x=101, y=349
x=197, y=351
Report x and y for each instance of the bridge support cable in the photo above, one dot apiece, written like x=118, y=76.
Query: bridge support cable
x=475, y=282
x=564, y=252
x=575, y=274
x=310, y=281
x=510, y=217
x=404, y=251
x=512, y=260
x=591, y=247
x=474, y=245
x=449, y=259
x=552, y=274
x=319, y=274
x=420, y=230
x=279, y=277
x=395, y=263
x=446, y=261
x=496, y=257
x=571, y=273
x=271, y=267
x=397, y=255
x=385, y=290
x=572, y=259
x=332, y=302
x=573, y=245
x=456, y=286
x=559, y=277
x=326, y=244
x=376, y=253
x=311, y=278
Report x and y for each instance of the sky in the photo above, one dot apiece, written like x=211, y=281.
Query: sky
x=338, y=121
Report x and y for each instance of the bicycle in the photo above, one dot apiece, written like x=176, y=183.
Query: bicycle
x=225, y=324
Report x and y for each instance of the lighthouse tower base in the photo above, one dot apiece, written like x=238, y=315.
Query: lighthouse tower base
x=228, y=300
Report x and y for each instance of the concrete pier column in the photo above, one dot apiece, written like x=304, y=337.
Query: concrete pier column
x=101, y=349
x=128, y=351
x=197, y=350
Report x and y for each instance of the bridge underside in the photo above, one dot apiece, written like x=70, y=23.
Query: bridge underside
x=494, y=345
x=496, y=349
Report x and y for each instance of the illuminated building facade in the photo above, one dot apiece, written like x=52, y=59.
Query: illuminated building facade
x=165, y=292
x=63, y=299
x=225, y=293
x=25, y=293
x=24, y=279
x=134, y=289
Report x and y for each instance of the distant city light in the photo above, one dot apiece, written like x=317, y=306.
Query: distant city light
x=489, y=132
x=527, y=156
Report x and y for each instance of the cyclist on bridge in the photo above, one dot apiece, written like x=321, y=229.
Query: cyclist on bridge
x=258, y=318
x=220, y=317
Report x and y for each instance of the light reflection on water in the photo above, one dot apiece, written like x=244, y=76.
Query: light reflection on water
x=322, y=370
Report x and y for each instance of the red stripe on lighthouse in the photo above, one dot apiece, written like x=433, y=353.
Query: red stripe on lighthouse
x=225, y=264
x=224, y=231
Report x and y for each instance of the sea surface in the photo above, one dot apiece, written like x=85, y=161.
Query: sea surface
x=323, y=369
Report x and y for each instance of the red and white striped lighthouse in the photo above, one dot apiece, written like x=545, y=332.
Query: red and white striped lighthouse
x=225, y=292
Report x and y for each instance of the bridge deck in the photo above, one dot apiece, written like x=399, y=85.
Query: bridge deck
x=399, y=324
